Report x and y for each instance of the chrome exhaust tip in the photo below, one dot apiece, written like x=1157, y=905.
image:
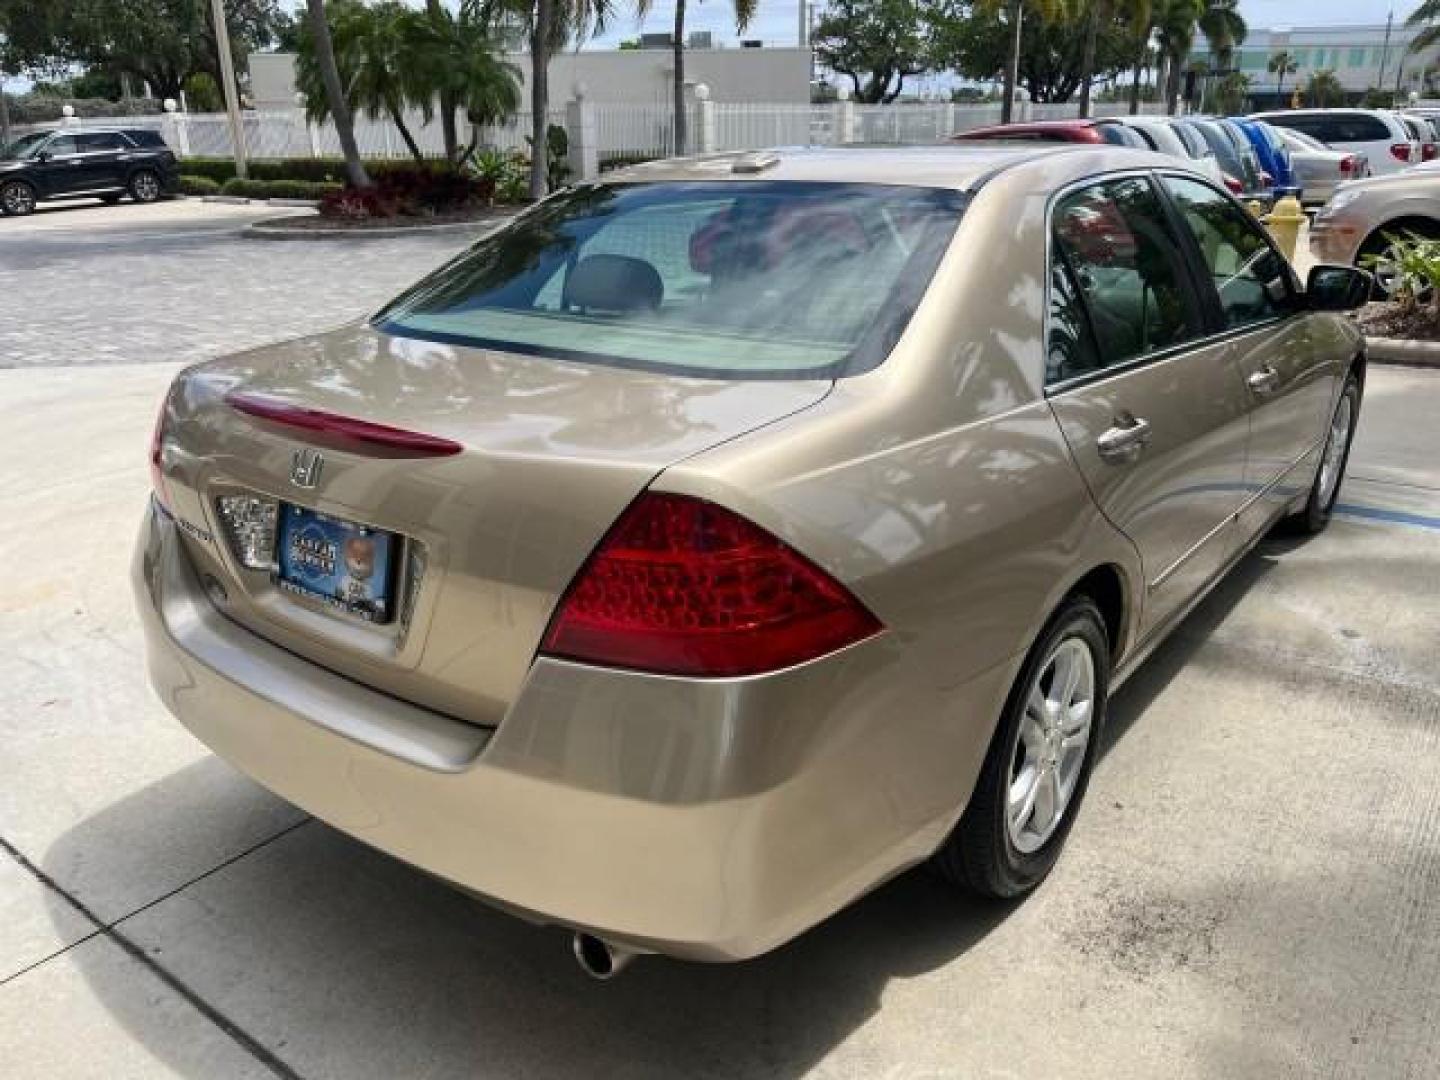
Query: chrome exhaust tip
x=598, y=958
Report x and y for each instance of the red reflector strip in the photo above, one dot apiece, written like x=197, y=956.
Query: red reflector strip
x=412, y=443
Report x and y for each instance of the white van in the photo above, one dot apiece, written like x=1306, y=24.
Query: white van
x=1380, y=135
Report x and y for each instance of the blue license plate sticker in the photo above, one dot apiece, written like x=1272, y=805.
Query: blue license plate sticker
x=344, y=565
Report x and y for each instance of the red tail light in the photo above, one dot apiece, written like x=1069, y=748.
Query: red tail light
x=1428, y=151
x=1232, y=185
x=1347, y=164
x=684, y=587
x=1400, y=151
x=1266, y=180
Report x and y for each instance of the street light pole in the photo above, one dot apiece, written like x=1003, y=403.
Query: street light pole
x=227, y=77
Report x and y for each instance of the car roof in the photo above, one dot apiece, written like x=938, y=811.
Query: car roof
x=958, y=166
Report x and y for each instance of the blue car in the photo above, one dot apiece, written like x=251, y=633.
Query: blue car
x=1273, y=154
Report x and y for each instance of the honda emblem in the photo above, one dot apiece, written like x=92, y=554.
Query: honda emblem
x=305, y=466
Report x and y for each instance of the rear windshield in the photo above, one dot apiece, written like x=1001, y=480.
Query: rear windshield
x=745, y=279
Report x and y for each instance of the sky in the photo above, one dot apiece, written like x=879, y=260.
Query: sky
x=776, y=23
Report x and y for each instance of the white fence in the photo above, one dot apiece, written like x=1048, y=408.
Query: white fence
x=630, y=130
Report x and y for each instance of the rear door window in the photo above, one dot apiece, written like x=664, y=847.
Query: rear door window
x=1248, y=274
x=92, y=143
x=1357, y=127
x=1114, y=243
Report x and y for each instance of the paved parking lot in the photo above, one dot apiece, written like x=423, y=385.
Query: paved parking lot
x=90, y=284
x=1250, y=891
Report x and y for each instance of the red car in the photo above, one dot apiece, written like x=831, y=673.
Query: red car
x=1072, y=131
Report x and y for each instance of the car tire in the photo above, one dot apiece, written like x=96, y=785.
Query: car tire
x=1334, y=456
x=1377, y=244
x=17, y=198
x=999, y=849
x=144, y=186
x=111, y=199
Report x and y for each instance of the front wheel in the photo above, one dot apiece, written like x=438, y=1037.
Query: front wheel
x=1039, y=762
x=17, y=198
x=145, y=186
x=1333, y=459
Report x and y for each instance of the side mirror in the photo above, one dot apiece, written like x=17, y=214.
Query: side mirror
x=1337, y=288
x=42, y=155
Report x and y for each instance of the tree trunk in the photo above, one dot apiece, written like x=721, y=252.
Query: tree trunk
x=678, y=45
x=1135, y=84
x=4, y=113
x=1087, y=58
x=397, y=117
x=447, y=97
x=335, y=95
x=1172, y=89
x=1012, y=63
x=540, y=34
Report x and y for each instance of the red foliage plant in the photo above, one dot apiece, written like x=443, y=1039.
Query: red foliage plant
x=410, y=192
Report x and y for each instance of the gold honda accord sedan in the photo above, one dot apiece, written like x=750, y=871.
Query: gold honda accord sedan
x=716, y=541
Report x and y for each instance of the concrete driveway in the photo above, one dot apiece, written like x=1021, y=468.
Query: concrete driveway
x=1250, y=890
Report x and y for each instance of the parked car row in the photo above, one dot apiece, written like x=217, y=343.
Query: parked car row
x=1248, y=158
x=106, y=163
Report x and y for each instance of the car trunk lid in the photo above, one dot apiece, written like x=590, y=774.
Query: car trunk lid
x=515, y=467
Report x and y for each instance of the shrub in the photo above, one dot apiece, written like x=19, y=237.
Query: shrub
x=418, y=191
x=1414, y=262
x=198, y=185
x=278, y=189
x=328, y=170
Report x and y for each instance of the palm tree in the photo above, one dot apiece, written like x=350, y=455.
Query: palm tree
x=374, y=56
x=1427, y=14
x=1176, y=22
x=1103, y=12
x=456, y=59
x=548, y=25
x=1014, y=11
x=335, y=94
x=1280, y=65
x=1323, y=88
x=744, y=12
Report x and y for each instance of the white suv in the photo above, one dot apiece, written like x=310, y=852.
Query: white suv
x=1380, y=135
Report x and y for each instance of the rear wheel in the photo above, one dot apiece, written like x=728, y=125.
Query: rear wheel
x=145, y=186
x=17, y=198
x=1333, y=459
x=1039, y=762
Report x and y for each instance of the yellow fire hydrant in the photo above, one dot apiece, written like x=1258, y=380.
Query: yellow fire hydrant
x=1284, y=223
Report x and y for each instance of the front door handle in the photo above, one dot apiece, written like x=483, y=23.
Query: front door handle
x=1264, y=381
x=1124, y=443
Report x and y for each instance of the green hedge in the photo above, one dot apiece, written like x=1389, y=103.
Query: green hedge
x=310, y=170
x=198, y=185
x=277, y=189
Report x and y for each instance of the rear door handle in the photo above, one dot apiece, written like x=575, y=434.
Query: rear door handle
x=1124, y=443
x=1264, y=381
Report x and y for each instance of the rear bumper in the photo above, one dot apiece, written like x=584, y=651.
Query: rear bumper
x=1334, y=240
x=711, y=820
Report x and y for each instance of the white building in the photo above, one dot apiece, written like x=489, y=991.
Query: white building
x=620, y=76
x=1362, y=58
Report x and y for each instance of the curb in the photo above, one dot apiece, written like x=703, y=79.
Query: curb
x=241, y=200
x=274, y=229
x=1403, y=351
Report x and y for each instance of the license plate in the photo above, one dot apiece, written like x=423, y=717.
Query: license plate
x=347, y=566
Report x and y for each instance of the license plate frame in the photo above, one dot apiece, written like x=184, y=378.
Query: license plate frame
x=348, y=567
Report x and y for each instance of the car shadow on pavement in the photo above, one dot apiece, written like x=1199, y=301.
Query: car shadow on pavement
x=342, y=961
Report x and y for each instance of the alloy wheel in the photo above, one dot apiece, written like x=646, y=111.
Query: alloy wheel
x=1049, y=754
x=17, y=198
x=145, y=187
x=1335, y=445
